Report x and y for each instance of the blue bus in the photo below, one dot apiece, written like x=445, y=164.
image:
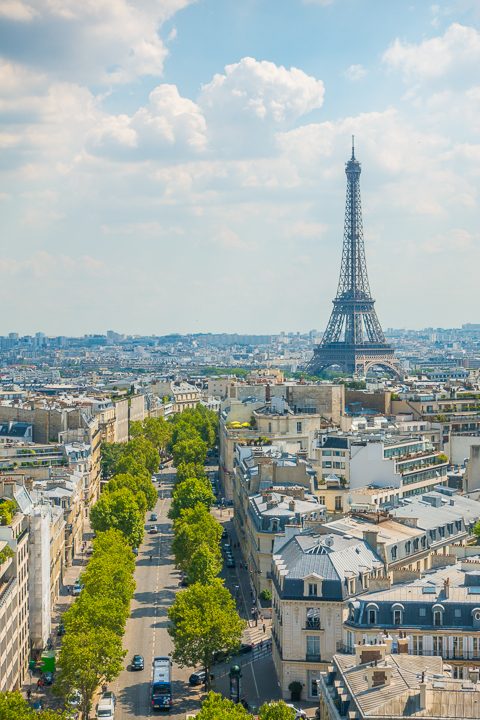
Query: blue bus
x=161, y=686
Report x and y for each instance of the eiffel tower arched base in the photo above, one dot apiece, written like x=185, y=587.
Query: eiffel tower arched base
x=355, y=359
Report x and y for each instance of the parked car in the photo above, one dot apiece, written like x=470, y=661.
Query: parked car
x=198, y=678
x=74, y=699
x=224, y=534
x=184, y=579
x=137, y=662
x=153, y=516
x=220, y=655
x=47, y=678
x=135, y=550
x=109, y=695
x=90, y=550
x=230, y=563
x=153, y=529
x=244, y=649
x=61, y=630
x=77, y=589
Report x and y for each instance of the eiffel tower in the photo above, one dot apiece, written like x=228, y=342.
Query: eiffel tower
x=354, y=339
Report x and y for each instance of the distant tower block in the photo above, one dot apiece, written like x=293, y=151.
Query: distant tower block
x=354, y=339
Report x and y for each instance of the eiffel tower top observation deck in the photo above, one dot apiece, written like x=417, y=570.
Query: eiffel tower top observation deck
x=354, y=339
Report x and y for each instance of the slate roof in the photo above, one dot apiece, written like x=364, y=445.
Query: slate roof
x=307, y=554
x=15, y=429
x=446, y=698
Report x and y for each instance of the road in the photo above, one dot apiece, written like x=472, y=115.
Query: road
x=146, y=632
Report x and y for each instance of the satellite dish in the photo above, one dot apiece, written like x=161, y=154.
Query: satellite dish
x=329, y=540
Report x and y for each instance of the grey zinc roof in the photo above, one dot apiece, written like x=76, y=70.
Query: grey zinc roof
x=430, y=516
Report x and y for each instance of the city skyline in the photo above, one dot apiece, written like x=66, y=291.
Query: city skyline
x=178, y=167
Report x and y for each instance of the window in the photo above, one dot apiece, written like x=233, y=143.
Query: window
x=424, y=542
x=321, y=499
x=271, y=548
x=269, y=427
x=437, y=618
x=476, y=647
x=408, y=546
x=338, y=503
x=441, y=531
x=299, y=427
x=397, y=617
x=422, y=612
x=417, y=644
x=458, y=612
x=312, y=589
x=458, y=524
x=433, y=534
x=351, y=587
x=437, y=645
x=327, y=453
x=313, y=648
x=327, y=464
x=372, y=616
x=415, y=544
x=450, y=528
x=313, y=618
x=394, y=552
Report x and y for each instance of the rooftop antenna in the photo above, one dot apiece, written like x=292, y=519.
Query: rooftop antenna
x=353, y=147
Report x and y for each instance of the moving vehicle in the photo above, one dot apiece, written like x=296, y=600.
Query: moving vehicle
x=106, y=707
x=244, y=649
x=153, y=529
x=230, y=563
x=153, y=516
x=137, y=662
x=161, y=686
x=224, y=534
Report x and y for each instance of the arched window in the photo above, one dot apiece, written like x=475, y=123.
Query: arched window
x=394, y=552
x=408, y=547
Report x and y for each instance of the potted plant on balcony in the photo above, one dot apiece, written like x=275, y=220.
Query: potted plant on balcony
x=295, y=688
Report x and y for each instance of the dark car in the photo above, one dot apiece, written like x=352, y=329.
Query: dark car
x=224, y=534
x=153, y=516
x=135, y=550
x=198, y=678
x=153, y=529
x=137, y=662
x=244, y=649
x=61, y=630
x=230, y=563
x=220, y=655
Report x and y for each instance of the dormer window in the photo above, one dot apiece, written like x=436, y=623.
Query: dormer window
x=312, y=589
x=372, y=616
x=408, y=547
x=394, y=552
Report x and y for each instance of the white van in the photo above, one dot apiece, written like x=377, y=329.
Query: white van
x=106, y=709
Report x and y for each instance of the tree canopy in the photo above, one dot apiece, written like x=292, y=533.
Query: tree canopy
x=13, y=706
x=203, y=619
x=215, y=707
x=192, y=450
x=204, y=566
x=120, y=509
x=194, y=527
x=188, y=494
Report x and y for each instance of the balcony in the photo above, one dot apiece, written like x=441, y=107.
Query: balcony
x=313, y=657
x=313, y=625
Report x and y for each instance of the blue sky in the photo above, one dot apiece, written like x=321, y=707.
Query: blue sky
x=178, y=166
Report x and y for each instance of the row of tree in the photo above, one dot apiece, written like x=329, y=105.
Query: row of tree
x=203, y=618
x=215, y=707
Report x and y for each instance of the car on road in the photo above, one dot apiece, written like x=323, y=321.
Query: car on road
x=224, y=534
x=153, y=529
x=74, y=699
x=106, y=708
x=198, y=678
x=135, y=550
x=109, y=695
x=161, y=467
x=61, y=630
x=77, y=589
x=137, y=662
x=299, y=714
x=244, y=649
x=230, y=563
x=90, y=550
x=153, y=516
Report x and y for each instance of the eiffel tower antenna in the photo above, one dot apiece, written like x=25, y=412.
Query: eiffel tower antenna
x=354, y=339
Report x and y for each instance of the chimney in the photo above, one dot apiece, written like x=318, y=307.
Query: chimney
x=267, y=393
x=473, y=674
x=387, y=640
x=402, y=643
x=291, y=505
x=378, y=675
x=369, y=653
x=423, y=693
x=370, y=537
x=446, y=588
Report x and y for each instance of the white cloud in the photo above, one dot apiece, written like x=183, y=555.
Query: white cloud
x=100, y=41
x=456, y=52
x=355, y=72
x=306, y=230
x=16, y=10
x=228, y=240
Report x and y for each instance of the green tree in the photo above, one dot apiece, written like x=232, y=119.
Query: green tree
x=136, y=484
x=204, y=566
x=276, y=711
x=135, y=429
x=13, y=706
x=143, y=452
x=158, y=432
x=184, y=472
x=109, y=572
x=189, y=451
x=191, y=529
x=215, y=707
x=94, y=611
x=476, y=530
x=119, y=510
x=203, y=620
x=188, y=494
x=8, y=509
x=110, y=455
x=87, y=659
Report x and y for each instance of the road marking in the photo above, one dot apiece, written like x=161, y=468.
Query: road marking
x=255, y=680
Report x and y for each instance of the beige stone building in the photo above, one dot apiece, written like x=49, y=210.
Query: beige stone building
x=14, y=603
x=104, y=411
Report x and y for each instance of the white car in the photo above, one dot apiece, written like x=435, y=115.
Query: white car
x=106, y=708
x=299, y=714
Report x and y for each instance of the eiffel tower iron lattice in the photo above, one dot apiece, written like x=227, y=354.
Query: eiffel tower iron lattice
x=354, y=339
